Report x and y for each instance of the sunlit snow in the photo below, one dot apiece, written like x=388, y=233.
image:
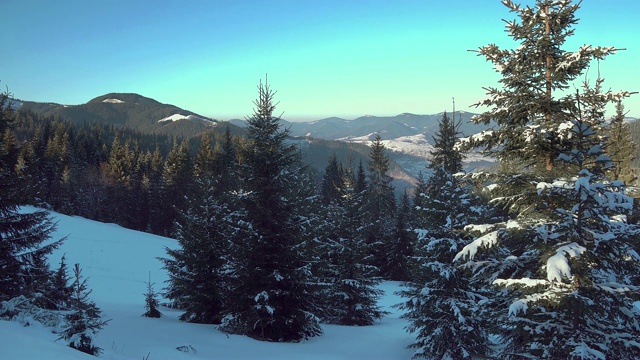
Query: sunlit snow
x=118, y=262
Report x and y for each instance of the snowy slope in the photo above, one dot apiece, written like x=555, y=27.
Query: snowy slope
x=118, y=261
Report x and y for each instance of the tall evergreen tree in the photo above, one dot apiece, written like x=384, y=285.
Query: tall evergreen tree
x=271, y=297
x=621, y=147
x=400, y=247
x=197, y=283
x=177, y=180
x=331, y=181
x=352, y=294
x=25, y=237
x=530, y=105
x=441, y=301
x=379, y=204
x=565, y=264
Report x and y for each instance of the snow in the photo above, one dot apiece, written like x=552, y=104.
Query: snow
x=117, y=263
x=558, y=265
x=178, y=117
x=471, y=249
x=113, y=101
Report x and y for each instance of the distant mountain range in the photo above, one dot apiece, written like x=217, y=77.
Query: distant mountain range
x=389, y=127
x=407, y=136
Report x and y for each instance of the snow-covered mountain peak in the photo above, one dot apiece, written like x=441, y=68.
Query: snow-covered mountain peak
x=113, y=101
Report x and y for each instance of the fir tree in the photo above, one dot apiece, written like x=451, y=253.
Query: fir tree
x=196, y=269
x=151, y=302
x=60, y=293
x=25, y=238
x=83, y=322
x=621, y=147
x=352, y=294
x=565, y=264
x=271, y=294
x=379, y=203
x=400, y=248
x=441, y=300
x=530, y=104
x=331, y=181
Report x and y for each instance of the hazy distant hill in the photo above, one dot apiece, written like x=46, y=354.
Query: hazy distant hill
x=129, y=110
x=389, y=127
x=409, y=137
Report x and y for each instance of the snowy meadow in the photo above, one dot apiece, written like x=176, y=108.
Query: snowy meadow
x=118, y=262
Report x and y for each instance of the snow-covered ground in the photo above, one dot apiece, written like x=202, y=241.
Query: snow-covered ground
x=118, y=262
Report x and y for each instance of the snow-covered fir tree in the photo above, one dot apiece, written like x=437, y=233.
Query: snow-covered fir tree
x=83, y=321
x=271, y=297
x=379, y=202
x=441, y=302
x=566, y=261
x=351, y=294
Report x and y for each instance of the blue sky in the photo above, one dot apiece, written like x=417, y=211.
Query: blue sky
x=324, y=58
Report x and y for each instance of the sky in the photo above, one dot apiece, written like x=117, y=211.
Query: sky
x=324, y=58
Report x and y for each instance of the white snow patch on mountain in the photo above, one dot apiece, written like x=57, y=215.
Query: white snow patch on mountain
x=178, y=117
x=113, y=101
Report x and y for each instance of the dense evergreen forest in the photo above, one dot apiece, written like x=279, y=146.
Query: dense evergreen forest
x=537, y=259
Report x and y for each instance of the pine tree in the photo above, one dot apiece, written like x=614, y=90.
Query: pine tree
x=444, y=151
x=565, y=263
x=25, y=238
x=83, y=322
x=271, y=295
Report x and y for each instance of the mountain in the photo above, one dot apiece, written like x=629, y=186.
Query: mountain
x=389, y=127
x=129, y=110
x=409, y=137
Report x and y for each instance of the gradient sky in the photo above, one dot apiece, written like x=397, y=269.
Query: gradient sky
x=342, y=58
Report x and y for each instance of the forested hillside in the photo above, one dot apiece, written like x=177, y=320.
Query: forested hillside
x=538, y=258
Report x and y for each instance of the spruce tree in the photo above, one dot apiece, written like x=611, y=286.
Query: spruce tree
x=196, y=269
x=532, y=103
x=621, y=147
x=400, y=247
x=25, y=237
x=83, y=322
x=441, y=300
x=566, y=261
x=151, y=302
x=379, y=203
x=271, y=294
x=331, y=181
x=352, y=294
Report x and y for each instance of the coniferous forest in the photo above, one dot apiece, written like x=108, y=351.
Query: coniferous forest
x=537, y=258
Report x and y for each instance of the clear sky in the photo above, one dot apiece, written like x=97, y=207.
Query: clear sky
x=325, y=58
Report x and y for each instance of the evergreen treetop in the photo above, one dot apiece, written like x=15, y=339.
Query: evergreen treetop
x=532, y=102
